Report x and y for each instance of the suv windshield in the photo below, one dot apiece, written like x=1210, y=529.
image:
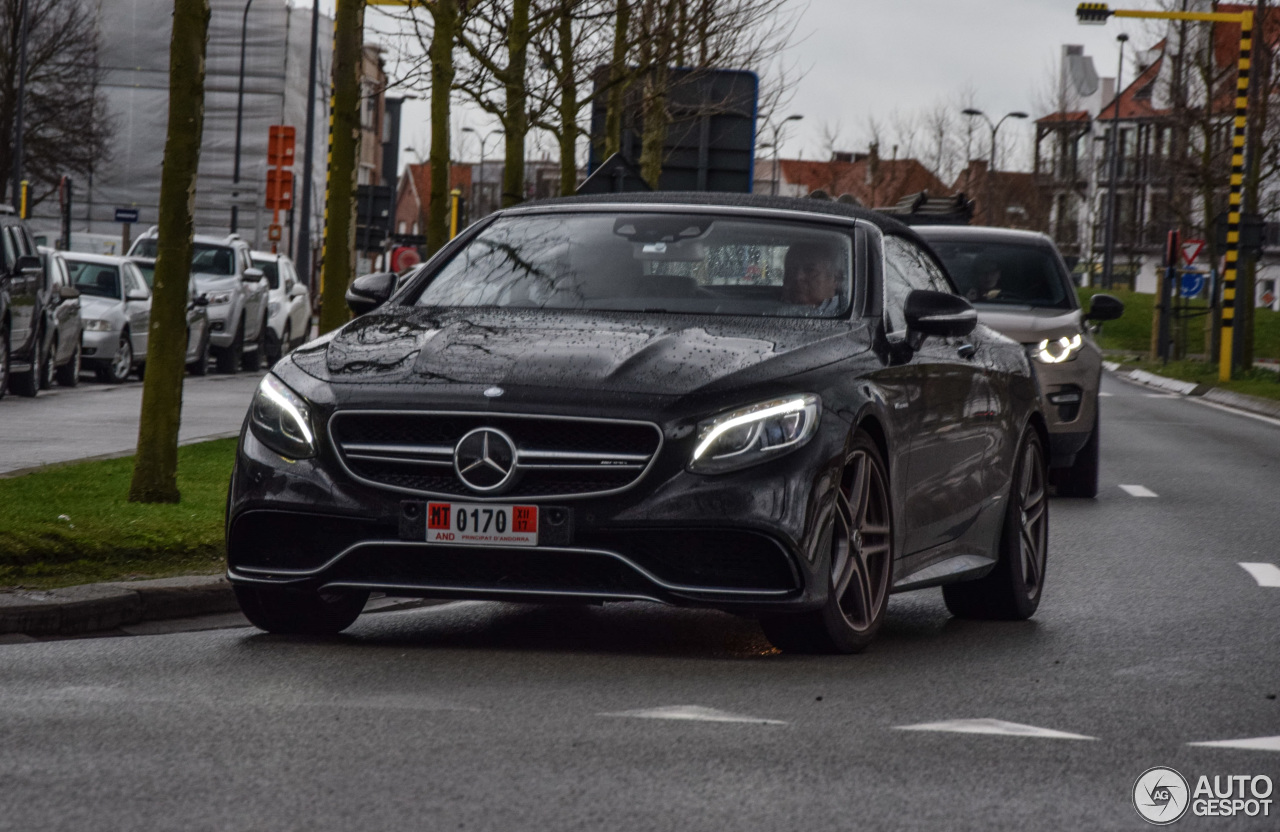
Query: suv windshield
x=97, y=279
x=205, y=257
x=1006, y=273
x=652, y=263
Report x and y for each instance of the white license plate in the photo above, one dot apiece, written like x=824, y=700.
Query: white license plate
x=482, y=524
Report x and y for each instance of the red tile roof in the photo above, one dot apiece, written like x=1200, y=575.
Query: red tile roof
x=892, y=178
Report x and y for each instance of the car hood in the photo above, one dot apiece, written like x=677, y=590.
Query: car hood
x=96, y=306
x=215, y=282
x=661, y=355
x=1030, y=324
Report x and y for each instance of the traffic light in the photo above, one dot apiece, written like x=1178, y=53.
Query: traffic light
x=1093, y=13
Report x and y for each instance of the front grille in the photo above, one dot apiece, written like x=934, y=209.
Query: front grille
x=555, y=456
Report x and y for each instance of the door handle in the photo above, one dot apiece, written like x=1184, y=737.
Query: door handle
x=967, y=351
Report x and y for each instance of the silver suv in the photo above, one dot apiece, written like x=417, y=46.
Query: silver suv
x=237, y=293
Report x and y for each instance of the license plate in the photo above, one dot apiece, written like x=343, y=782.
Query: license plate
x=482, y=524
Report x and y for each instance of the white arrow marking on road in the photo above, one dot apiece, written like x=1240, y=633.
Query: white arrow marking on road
x=1255, y=744
x=1138, y=491
x=1266, y=574
x=695, y=713
x=993, y=726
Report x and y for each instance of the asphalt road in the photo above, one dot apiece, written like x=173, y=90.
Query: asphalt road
x=484, y=716
x=91, y=420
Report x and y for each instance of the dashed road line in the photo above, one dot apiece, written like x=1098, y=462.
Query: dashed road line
x=1266, y=574
x=1254, y=744
x=694, y=713
x=993, y=726
x=1138, y=491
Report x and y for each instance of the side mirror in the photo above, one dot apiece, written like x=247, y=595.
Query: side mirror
x=298, y=291
x=940, y=314
x=252, y=275
x=1105, y=308
x=136, y=296
x=68, y=292
x=29, y=264
x=370, y=291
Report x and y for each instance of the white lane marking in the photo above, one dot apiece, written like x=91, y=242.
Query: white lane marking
x=1258, y=416
x=1255, y=744
x=993, y=726
x=1104, y=395
x=1138, y=491
x=1162, y=395
x=695, y=713
x=1266, y=574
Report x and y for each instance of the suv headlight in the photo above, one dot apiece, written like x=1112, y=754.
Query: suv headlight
x=219, y=298
x=755, y=434
x=96, y=325
x=281, y=419
x=1058, y=350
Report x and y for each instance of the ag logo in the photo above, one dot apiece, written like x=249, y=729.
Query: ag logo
x=1161, y=795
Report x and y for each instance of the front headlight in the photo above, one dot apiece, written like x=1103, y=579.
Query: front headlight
x=219, y=298
x=754, y=434
x=1058, y=350
x=96, y=325
x=281, y=419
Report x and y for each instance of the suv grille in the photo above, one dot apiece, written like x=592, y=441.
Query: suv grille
x=555, y=456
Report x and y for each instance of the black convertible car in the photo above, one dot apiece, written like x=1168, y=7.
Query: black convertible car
x=769, y=406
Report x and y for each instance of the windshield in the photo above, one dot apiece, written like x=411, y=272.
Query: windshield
x=205, y=258
x=651, y=263
x=270, y=269
x=97, y=279
x=1006, y=273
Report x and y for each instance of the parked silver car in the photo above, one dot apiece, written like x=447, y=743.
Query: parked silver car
x=237, y=294
x=62, y=327
x=198, y=333
x=1021, y=288
x=115, y=309
x=288, y=304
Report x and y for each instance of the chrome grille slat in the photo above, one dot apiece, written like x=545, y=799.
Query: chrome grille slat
x=557, y=457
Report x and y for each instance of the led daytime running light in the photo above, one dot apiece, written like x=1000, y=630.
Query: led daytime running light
x=746, y=419
x=269, y=390
x=1068, y=347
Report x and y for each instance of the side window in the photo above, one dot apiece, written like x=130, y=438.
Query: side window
x=907, y=268
x=10, y=247
x=132, y=280
x=27, y=241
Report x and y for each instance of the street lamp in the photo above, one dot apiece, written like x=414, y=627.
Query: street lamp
x=776, y=131
x=484, y=140
x=235, y=168
x=991, y=165
x=1113, y=173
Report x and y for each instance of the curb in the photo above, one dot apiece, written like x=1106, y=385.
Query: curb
x=76, y=610
x=1236, y=401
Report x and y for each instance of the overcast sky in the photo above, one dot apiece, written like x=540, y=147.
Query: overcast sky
x=866, y=58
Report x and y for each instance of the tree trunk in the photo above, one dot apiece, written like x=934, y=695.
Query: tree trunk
x=344, y=147
x=515, y=119
x=653, y=142
x=568, y=101
x=444, y=34
x=155, y=469
x=617, y=87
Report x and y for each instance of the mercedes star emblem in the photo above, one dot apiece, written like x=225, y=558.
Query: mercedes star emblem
x=485, y=459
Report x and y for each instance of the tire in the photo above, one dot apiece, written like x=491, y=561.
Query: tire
x=230, y=356
x=4, y=360
x=1081, y=479
x=252, y=361
x=298, y=612
x=69, y=374
x=200, y=367
x=121, y=364
x=28, y=384
x=1011, y=591
x=859, y=537
x=49, y=367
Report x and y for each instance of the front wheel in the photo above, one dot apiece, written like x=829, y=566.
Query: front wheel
x=299, y=612
x=200, y=367
x=1011, y=591
x=859, y=537
x=230, y=356
x=48, y=367
x=4, y=361
x=69, y=373
x=252, y=361
x=121, y=364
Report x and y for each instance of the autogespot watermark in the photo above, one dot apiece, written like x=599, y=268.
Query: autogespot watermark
x=1162, y=796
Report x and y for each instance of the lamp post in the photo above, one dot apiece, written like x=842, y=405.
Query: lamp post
x=235, y=166
x=991, y=165
x=484, y=140
x=776, y=131
x=1113, y=173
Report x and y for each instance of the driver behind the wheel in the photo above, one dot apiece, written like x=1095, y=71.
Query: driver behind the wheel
x=812, y=275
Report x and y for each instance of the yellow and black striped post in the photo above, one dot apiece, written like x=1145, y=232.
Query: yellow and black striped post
x=1099, y=13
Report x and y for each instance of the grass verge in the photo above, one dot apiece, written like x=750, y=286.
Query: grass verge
x=74, y=524
x=1131, y=332
x=1264, y=384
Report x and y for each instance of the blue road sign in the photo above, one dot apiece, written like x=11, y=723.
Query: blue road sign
x=126, y=215
x=1192, y=284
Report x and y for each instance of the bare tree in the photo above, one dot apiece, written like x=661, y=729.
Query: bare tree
x=65, y=124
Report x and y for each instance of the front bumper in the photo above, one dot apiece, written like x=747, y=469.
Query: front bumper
x=1070, y=394
x=222, y=325
x=98, y=347
x=744, y=542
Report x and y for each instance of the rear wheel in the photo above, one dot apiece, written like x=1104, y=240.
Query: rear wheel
x=69, y=374
x=860, y=539
x=118, y=369
x=1081, y=479
x=299, y=612
x=28, y=383
x=1011, y=591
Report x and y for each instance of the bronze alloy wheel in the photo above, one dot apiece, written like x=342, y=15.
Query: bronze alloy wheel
x=860, y=537
x=1033, y=518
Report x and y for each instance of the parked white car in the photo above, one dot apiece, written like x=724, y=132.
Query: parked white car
x=288, y=304
x=115, y=309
